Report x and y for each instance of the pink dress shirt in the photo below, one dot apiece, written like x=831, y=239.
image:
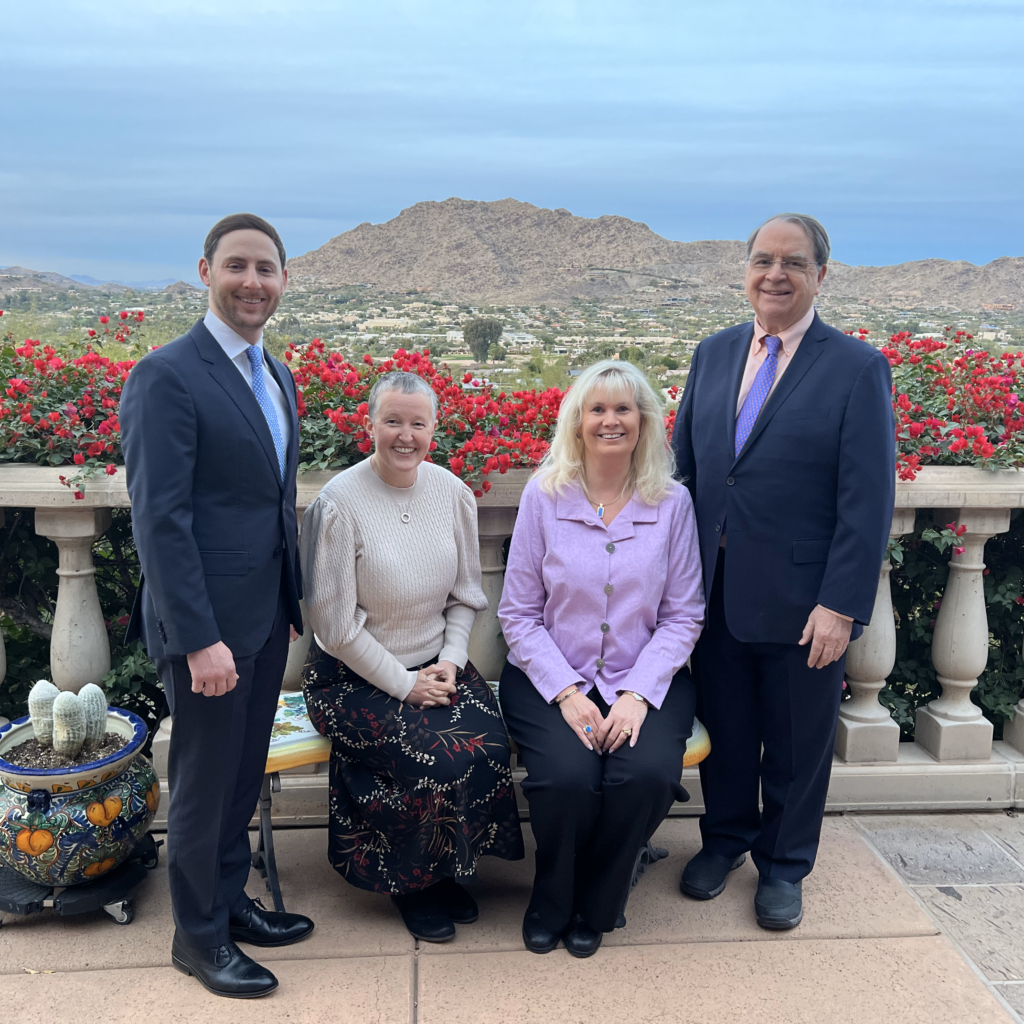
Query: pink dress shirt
x=619, y=608
x=791, y=338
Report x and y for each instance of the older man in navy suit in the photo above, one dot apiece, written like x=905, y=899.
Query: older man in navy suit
x=785, y=438
x=210, y=437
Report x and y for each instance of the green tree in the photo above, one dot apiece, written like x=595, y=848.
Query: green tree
x=496, y=353
x=480, y=334
x=634, y=355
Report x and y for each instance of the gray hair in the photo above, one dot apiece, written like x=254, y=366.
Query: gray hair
x=815, y=232
x=404, y=382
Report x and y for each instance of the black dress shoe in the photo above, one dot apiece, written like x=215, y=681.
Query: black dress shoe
x=261, y=927
x=461, y=907
x=536, y=937
x=778, y=905
x=705, y=875
x=224, y=970
x=424, y=916
x=580, y=939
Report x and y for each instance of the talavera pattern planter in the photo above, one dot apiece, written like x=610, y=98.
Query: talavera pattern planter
x=65, y=826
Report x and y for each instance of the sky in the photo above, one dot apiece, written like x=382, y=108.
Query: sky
x=128, y=127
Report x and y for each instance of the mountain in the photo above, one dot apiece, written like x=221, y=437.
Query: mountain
x=142, y=286
x=508, y=251
x=13, y=279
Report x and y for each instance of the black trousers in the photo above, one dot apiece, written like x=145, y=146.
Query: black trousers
x=591, y=813
x=772, y=722
x=217, y=759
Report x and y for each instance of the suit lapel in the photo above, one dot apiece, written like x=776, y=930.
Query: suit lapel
x=226, y=374
x=807, y=353
x=737, y=364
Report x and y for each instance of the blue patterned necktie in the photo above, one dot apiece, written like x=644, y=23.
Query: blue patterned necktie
x=758, y=392
x=259, y=389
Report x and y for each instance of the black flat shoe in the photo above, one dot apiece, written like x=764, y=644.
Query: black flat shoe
x=461, y=907
x=580, y=939
x=424, y=916
x=261, y=927
x=778, y=905
x=704, y=877
x=223, y=970
x=536, y=937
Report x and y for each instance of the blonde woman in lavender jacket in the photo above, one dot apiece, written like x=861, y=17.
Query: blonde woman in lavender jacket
x=601, y=608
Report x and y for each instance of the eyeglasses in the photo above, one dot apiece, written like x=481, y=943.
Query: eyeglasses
x=794, y=266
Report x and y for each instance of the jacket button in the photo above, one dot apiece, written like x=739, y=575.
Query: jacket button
x=277, y=552
x=605, y=627
x=609, y=547
x=718, y=527
x=608, y=588
x=729, y=480
x=600, y=663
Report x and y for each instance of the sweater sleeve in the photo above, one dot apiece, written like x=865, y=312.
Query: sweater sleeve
x=328, y=552
x=467, y=596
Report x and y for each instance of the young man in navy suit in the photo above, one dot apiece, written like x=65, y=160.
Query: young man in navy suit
x=210, y=437
x=785, y=438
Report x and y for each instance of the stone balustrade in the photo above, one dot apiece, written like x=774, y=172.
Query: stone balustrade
x=952, y=764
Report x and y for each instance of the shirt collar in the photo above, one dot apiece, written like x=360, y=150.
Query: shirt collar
x=572, y=504
x=233, y=344
x=791, y=336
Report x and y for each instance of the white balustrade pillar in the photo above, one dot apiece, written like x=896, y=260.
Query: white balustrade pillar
x=487, y=649
x=79, y=646
x=297, y=652
x=866, y=732
x=952, y=728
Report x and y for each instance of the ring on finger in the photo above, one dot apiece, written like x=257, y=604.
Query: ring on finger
x=627, y=731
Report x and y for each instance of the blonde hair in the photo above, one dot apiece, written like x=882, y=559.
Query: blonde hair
x=651, y=464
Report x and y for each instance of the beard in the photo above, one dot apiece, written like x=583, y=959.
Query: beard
x=227, y=308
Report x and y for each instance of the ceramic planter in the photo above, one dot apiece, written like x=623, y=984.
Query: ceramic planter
x=64, y=826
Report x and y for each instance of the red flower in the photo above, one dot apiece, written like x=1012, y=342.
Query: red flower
x=104, y=319
x=110, y=470
x=79, y=458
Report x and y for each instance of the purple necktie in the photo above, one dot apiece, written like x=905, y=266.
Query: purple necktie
x=758, y=392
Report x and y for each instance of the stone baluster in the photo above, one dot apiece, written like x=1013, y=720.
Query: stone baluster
x=297, y=655
x=866, y=732
x=487, y=649
x=952, y=728
x=79, y=647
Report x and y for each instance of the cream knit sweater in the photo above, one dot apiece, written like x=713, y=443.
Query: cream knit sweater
x=392, y=574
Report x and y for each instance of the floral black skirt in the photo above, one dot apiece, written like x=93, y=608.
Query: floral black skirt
x=416, y=795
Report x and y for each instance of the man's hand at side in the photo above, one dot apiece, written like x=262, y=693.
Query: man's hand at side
x=213, y=670
x=828, y=633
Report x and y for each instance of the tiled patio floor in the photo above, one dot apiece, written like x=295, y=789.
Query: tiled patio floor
x=908, y=918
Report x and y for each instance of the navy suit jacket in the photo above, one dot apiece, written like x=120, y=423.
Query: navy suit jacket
x=214, y=526
x=807, y=504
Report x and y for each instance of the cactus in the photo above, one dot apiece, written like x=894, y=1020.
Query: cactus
x=40, y=710
x=94, y=703
x=68, y=725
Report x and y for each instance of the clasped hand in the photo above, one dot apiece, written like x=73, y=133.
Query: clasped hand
x=434, y=685
x=606, y=734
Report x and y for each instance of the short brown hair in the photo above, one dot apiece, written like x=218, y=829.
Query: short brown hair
x=241, y=222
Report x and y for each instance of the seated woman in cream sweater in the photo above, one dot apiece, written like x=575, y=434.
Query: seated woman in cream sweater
x=420, y=783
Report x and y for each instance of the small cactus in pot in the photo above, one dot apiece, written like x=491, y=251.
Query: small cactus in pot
x=68, y=725
x=94, y=704
x=40, y=710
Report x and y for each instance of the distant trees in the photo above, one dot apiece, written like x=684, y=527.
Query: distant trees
x=634, y=355
x=496, y=353
x=480, y=334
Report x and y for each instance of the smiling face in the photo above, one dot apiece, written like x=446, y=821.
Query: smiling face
x=611, y=424
x=246, y=281
x=782, y=297
x=401, y=431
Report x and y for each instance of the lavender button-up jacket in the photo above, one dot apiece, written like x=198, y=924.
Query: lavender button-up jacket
x=619, y=608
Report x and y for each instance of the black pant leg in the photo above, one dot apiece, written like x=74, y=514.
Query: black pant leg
x=563, y=788
x=638, y=788
x=209, y=765
x=267, y=671
x=727, y=675
x=799, y=709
